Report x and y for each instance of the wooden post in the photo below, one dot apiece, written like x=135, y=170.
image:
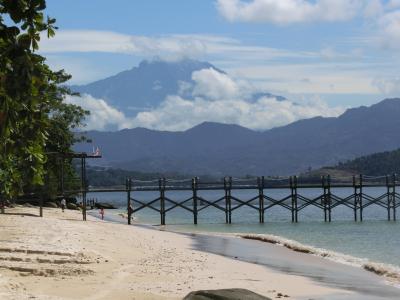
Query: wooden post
x=295, y=200
x=2, y=203
x=324, y=198
x=41, y=204
x=394, y=197
x=361, y=198
x=62, y=175
x=226, y=201
x=230, y=199
x=355, y=198
x=194, y=190
x=83, y=161
x=329, y=199
x=161, y=184
x=260, y=183
x=388, y=196
x=292, y=196
x=128, y=190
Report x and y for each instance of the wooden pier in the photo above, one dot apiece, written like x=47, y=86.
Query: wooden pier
x=294, y=201
x=262, y=201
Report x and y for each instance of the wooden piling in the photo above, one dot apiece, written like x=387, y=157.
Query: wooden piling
x=226, y=200
x=329, y=199
x=260, y=184
x=194, y=190
x=388, y=196
x=41, y=204
x=361, y=197
x=292, y=197
x=3, y=203
x=324, y=198
x=128, y=191
x=355, y=198
x=83, y=161
x=161, y=184
x=230, y=200
x=296, y=211
x=394, y=176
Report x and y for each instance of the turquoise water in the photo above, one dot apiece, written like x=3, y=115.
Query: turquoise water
x=375, y=239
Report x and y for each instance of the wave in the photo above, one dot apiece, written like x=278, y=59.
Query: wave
x=390, y=272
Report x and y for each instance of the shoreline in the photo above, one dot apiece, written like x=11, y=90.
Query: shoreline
x=390, y=273
x=99, y=259
x=388, y=276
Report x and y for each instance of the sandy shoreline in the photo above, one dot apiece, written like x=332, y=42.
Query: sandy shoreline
x=61, y=257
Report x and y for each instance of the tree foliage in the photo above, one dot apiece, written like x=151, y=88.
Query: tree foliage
x=33, y=117
x=377, y=164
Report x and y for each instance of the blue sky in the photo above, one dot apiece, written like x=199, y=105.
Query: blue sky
x=342, y=52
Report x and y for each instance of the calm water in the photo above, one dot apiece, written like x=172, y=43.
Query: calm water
x=375, y=239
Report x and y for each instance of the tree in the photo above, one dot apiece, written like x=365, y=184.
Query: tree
x=33, y=116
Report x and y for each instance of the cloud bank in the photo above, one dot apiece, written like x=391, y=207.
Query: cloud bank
x=285, y=12
x=217, y=98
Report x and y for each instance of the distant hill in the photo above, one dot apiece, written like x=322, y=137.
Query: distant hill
x=376, y=164
x=221, y=149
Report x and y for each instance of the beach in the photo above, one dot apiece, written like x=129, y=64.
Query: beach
x=61, y=257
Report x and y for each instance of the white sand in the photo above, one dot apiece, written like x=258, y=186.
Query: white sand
x=61, y=257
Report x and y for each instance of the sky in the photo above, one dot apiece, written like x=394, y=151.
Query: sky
x=342, y=53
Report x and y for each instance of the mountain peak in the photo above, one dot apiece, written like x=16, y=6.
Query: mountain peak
x=146, y=85
x=215, y=127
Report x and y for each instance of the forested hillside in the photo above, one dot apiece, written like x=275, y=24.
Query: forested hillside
x=375, y=164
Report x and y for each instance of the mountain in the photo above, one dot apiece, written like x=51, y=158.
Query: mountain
x=147, y=85
x=221, y=149
x=144, y=86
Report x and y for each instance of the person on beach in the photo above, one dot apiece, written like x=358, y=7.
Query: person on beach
x=63, y=204
x=102, y=213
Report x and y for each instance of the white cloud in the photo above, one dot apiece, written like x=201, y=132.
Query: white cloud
x=373, y=9
x=177, y=113
x=218, y=98
x=214, y=85
x=393, y=4
x=388, y=86
x=389, y=25
x=170, y=47
x=288, y=11
x=102, y=115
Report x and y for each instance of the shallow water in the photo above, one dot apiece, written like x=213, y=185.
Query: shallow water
x=375, y=239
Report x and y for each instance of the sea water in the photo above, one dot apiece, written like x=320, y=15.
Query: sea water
x=375, y=239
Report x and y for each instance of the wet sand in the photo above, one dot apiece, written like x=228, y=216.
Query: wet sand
x=362, y=284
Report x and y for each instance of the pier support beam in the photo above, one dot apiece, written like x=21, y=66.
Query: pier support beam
x=83, y=186
x=329, y=199
x=2, y=204
x=194, y=190
x=361, y=198
x=161, y=184
x=389, y=196
x=293, y=193
x=355, y=198
x=128, y=192
x=228, y=204
x=394, y=178
x=260, y=184
x=324, y=198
